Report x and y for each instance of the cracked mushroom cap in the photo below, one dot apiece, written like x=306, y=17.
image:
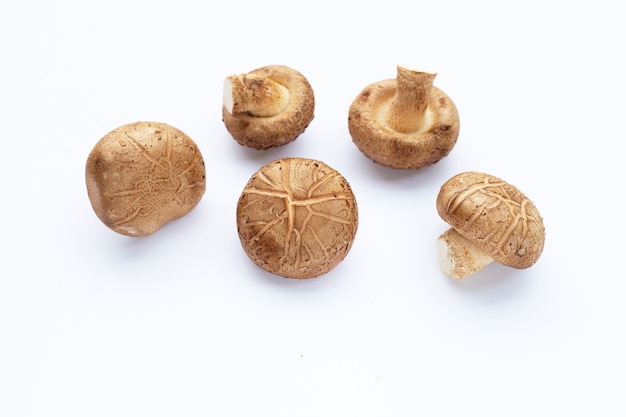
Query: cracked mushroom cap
x=143, y=175
x=297, y=218
x=404, y=123
x=270, y=106
x=494, y=216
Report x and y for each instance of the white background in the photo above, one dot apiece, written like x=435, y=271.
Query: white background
x=182, y=323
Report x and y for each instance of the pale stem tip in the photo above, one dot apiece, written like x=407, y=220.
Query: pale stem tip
x=458, y=257
x=227, y=98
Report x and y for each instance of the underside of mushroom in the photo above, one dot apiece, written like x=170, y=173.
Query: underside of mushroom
x=270, y=106
x=404, y=123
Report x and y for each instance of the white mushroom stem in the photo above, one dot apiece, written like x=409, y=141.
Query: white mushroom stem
x=408, y=110
x=255, y=95
x=458, y=257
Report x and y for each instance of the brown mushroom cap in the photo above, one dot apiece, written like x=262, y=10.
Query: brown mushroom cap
x=267, y=107
x=297, y=218
x=494, y=216
x=404, y=123
x=143, y=175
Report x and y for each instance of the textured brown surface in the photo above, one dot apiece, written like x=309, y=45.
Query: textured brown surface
x=142, y=175
x=493, y=215
x=297, y=218
x=368, y=122
x=266, y=132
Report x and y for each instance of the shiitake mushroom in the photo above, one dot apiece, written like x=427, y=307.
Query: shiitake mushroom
x=404, y=123
x=267, y=107
x=297, y=218
x=490, y=220
x=143, y=175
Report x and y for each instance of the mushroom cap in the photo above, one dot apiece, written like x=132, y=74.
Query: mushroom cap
x=143, y=175
x=297, y=218
x=266, y=132
x=494, y=216
x=386, y=146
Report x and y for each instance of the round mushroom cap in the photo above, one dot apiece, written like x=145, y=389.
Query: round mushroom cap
x=263, y=132
x=143, y=175
x=494, y=216
x=297, y=218
x=383, y=144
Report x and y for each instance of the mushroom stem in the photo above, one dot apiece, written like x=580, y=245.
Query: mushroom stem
x=255, y=95
x=458, y=257
x=407, y=112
